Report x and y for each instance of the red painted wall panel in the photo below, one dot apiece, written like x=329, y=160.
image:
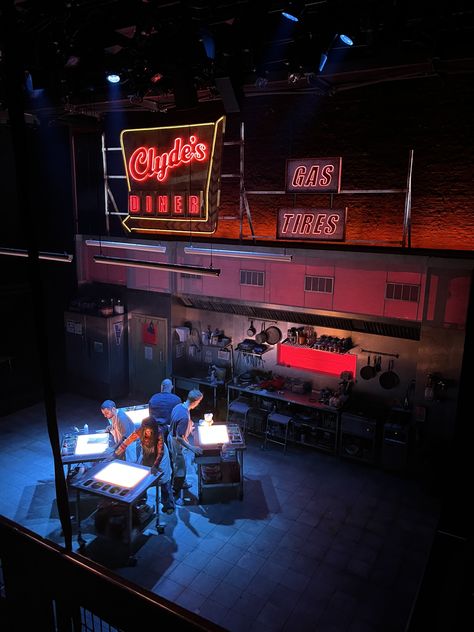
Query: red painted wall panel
x=359, y=291
x=286, y=284
x=102, y=273
x=401, y=309
x=404, y=276
x=457, y=301
x=226, y=285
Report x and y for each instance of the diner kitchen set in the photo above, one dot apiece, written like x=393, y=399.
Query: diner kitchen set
x=367, y=370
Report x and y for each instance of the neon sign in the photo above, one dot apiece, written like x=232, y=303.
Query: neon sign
x=146, y=163
x=313, y=175
x=311, y=224
x=173, y=178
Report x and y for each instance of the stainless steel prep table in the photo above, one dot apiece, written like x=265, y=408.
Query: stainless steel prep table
x=79, y=447
x=327, y=425
x=121, y=482
x=224, y=452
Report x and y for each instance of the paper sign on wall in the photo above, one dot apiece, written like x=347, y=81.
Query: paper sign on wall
x=149, y=333
x=118, y=328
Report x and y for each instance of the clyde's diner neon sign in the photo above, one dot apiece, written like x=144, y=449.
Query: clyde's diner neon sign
x=146, y=163
x=173, y=177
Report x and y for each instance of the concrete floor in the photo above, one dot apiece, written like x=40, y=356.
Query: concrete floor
x=318, y=542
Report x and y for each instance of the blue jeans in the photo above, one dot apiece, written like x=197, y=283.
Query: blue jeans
x=167, y=498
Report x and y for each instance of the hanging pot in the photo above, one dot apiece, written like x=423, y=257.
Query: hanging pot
x=389, y=379
x=261, y=337
x=367, y=372
x=273, y=335
x=251, y=331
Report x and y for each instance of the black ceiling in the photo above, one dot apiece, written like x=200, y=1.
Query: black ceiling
x=67, y=46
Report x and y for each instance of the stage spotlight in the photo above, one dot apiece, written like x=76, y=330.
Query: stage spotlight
x=292, y=11
x=113, y=78
x=346, y=40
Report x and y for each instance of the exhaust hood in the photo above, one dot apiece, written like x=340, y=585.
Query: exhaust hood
x=405, y=330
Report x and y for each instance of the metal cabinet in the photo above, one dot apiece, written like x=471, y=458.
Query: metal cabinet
x=359, y=437
x=97, y=354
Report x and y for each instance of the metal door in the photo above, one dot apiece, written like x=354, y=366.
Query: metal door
x=148, y=344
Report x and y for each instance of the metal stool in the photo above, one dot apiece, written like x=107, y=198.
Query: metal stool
x=237, y=413
x=281, y=420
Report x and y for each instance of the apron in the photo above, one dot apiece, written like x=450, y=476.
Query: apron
x=177, y=456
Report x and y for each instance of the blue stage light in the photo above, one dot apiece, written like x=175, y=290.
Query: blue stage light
x=290, y=16
x=346, y=40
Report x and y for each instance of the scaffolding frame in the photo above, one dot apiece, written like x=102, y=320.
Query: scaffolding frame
x=244, y=206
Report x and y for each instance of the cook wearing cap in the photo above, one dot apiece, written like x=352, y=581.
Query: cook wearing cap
x=120, y=427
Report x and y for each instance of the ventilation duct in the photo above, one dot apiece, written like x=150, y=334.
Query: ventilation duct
x=392, y=330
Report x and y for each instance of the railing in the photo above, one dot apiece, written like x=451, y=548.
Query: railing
x=47, y=588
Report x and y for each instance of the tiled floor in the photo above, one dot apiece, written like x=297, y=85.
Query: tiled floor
x=318, y=542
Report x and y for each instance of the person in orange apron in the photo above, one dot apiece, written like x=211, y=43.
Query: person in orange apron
x=155, y=455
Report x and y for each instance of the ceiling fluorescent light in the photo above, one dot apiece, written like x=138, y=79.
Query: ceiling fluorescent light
x=151, y=265
x=48, y=256
x=238, y=254
x=125, y=245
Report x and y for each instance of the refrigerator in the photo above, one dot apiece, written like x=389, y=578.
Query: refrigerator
x=97, y=354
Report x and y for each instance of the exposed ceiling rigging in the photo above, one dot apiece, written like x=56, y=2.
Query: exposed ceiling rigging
x=170, y=53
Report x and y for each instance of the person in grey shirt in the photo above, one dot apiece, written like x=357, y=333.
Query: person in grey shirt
x=120, y=427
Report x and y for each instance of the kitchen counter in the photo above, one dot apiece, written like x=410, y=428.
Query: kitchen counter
x=320, y=430
x=304, y=399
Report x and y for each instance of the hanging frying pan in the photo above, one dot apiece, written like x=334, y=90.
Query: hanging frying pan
x=367, y=372
x=389, y=379
x=273, y=335
x=261, y=337
x=251, y=331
